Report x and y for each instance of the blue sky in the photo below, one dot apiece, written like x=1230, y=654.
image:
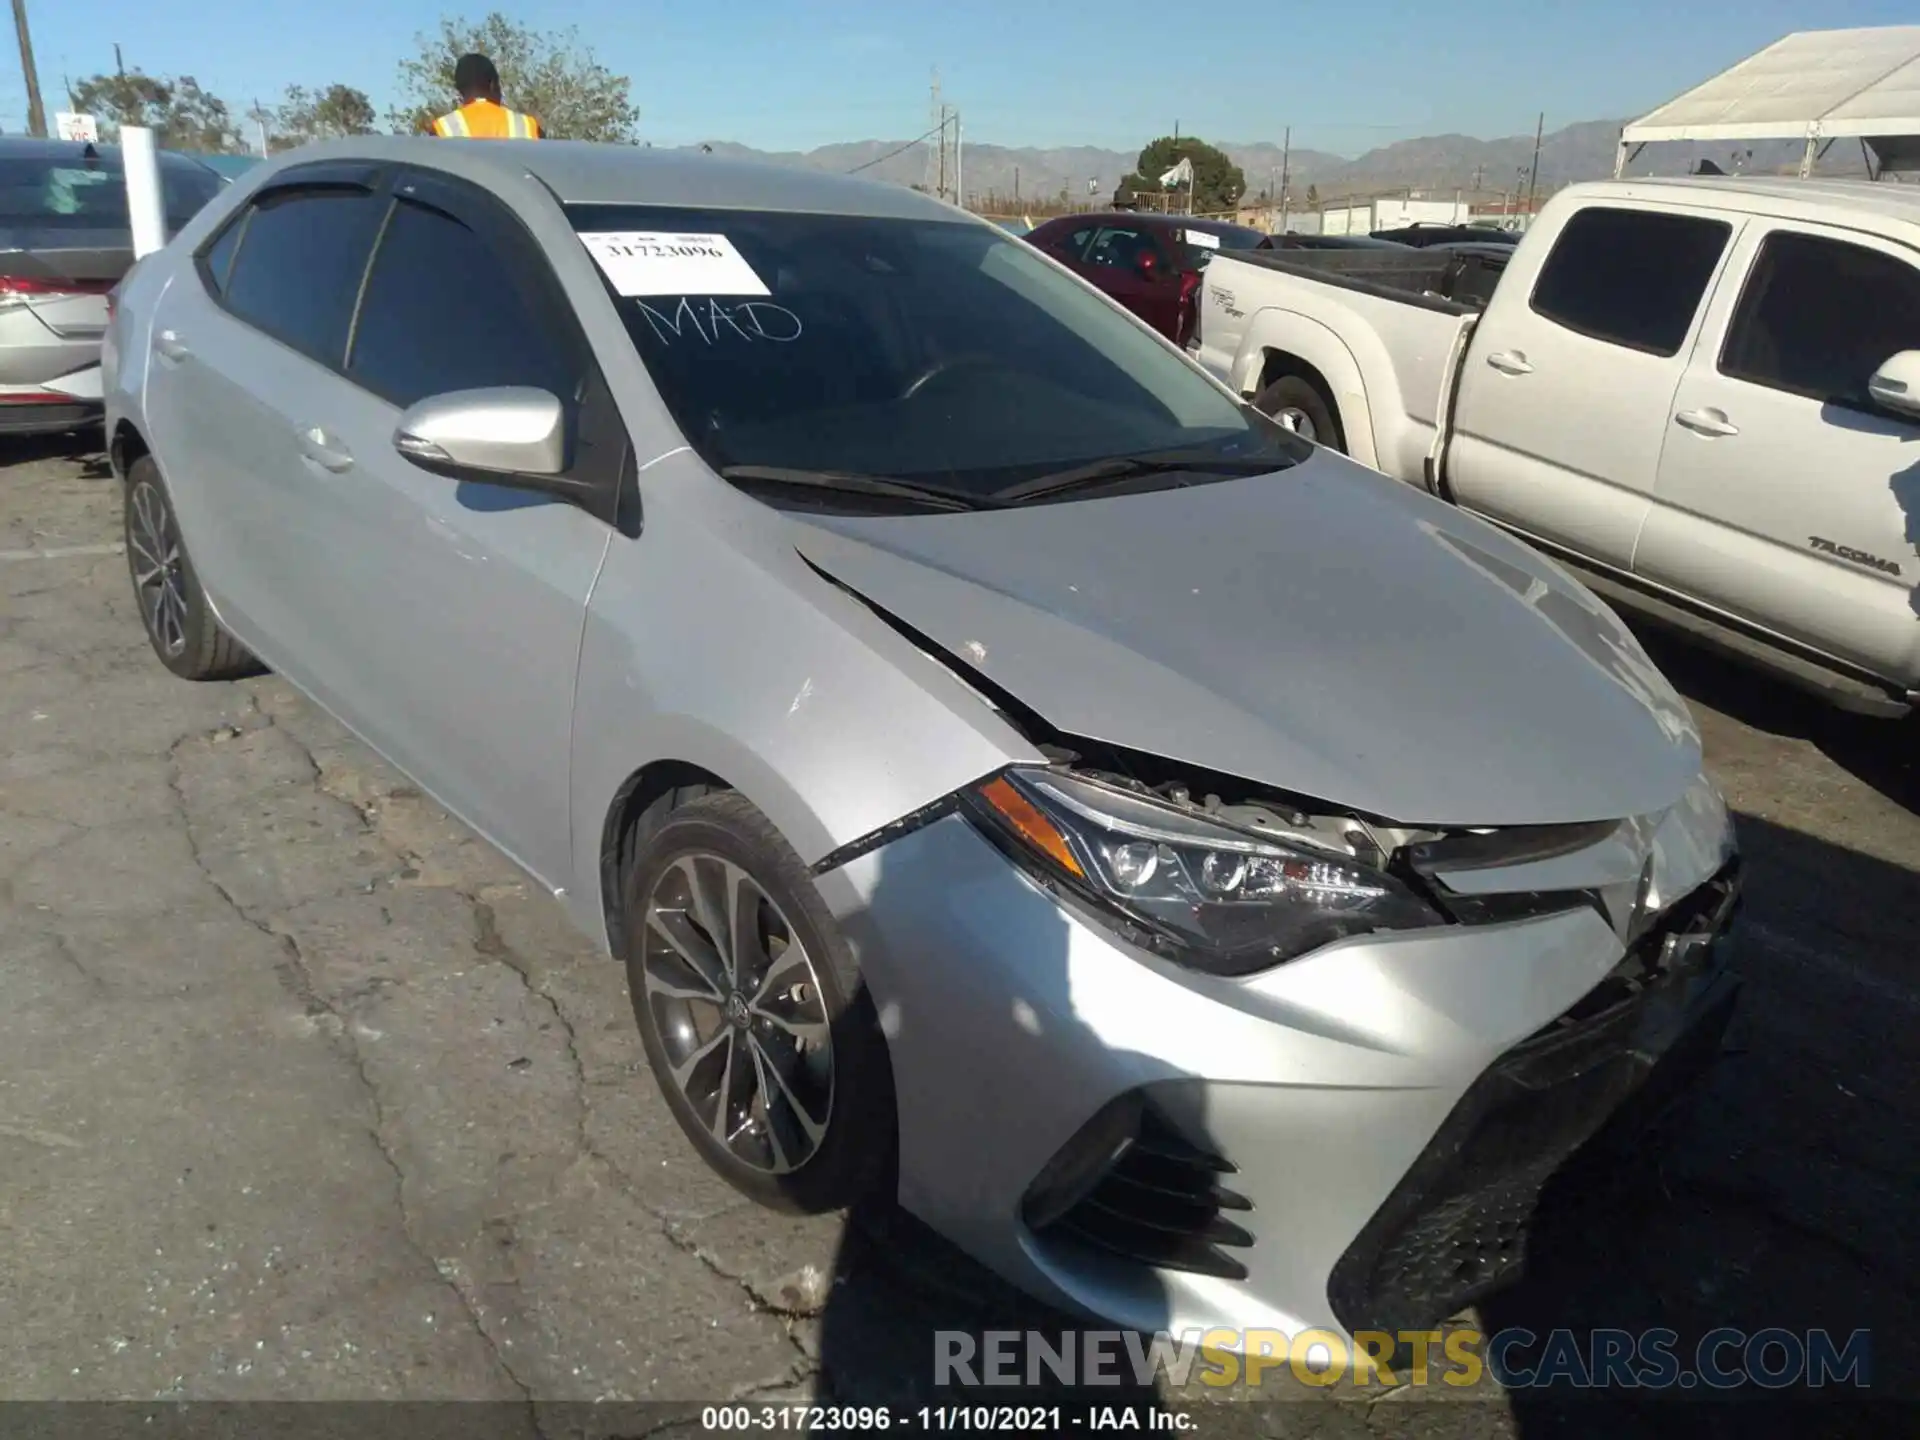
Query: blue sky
x=793, y=75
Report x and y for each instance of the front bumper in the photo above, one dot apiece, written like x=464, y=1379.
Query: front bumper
x=1305, y=1124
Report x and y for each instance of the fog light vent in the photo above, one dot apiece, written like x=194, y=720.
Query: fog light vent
x=1130, y=1185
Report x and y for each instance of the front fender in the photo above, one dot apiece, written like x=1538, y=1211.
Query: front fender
x=709, y=643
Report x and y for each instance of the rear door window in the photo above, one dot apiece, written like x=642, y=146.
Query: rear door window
x=1633, y=278
x=297, y=272
x=1819, y=316
x=445, y=310
x=75, y=193
x=1120, y=248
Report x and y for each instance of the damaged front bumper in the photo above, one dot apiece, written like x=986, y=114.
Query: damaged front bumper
x=1351, y=1140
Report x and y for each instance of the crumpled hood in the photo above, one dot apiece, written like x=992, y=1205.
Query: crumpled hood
x=1324, y=630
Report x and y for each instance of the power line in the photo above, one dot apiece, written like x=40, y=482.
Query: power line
x=917, y=140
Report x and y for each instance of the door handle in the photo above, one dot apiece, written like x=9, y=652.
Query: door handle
x=1709, y=421
x=1510, y=362
x=169, y=346
x=320, y=448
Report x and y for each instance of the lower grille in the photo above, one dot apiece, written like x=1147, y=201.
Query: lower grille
x=1456, y=1227
x=1160, y=1201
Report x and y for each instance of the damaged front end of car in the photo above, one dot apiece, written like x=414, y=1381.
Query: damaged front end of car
x=1242, y=1057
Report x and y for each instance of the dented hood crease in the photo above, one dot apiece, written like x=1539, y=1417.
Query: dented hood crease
x=1323, y=630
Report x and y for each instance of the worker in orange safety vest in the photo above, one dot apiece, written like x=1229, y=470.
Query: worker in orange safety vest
x=481, y=115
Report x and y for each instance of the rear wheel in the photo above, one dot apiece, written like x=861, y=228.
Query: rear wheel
x=1296, y=402
x=179, y=622
x=759, y=1031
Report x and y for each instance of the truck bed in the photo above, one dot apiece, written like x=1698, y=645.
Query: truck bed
x=1450, y=282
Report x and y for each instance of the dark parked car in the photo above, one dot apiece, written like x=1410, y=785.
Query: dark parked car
x=65, y=241
x=1293, y=240
x=1423, y=233
x=1149, y=263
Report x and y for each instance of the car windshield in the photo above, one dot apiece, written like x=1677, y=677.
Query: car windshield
x=936, y=351
x=75, y=193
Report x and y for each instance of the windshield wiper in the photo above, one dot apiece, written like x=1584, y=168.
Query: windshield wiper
x=1128, y=467
x=851, y=482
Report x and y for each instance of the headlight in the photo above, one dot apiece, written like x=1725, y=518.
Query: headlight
x=1215, y=896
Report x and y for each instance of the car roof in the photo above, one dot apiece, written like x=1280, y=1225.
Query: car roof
x=1136, y=217
x=584, y=173
x=1785, y=197
x=32, y=147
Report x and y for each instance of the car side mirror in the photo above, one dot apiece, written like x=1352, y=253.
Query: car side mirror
x=1895, y=386
x=506, y=434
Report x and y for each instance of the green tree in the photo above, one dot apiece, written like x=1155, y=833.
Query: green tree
x=321, y=115
x=1313, y=197
x=1218, y=183
x=182, y=115
x=551, y=74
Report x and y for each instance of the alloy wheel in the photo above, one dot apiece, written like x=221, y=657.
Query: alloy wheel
x=736, y=1002
x=159, y=581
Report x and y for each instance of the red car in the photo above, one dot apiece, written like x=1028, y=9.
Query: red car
x=1149, y=263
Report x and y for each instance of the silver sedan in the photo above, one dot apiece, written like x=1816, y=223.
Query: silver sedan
x=1212, y=883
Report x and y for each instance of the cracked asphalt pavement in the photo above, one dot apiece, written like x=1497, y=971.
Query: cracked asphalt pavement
x=307, y=1094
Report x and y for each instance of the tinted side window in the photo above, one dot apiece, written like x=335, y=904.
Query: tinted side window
x=1818, y=317
x=1630, y=277
x=443, y=312
x=219, y=255
x=299, y=272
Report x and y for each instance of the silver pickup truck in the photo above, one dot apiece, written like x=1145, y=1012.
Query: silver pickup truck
x=1702, y=395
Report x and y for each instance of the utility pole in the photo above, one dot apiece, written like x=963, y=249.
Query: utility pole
x=1533, y=175
x=119, y=65
x=1286, y=157
x=36, y=112
x=259, y=118
x=937, y=157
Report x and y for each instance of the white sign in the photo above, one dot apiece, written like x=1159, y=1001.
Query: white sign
x=1203, y=240
x=656, y=262
x=69, y=126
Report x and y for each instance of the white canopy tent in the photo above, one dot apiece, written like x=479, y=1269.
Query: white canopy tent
x=1815, y=85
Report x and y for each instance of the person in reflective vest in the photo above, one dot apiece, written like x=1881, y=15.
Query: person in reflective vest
x=481, y=115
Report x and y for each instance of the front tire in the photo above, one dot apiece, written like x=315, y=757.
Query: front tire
x=1296, y=402
x=751, y=1009
x=180, y=624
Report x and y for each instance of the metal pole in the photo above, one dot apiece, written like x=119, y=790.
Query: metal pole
x=36, y=112
x=1286, y=160
x=1533, y=175
x=141, y=159
x=959, y=162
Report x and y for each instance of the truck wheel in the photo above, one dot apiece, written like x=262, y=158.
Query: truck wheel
x=1296, y=402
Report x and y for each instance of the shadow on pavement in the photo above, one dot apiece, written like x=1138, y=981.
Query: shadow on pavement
x=84, y=447
x=1776, y=1194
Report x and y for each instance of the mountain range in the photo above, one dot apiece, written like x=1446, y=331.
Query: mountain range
x=1583, y=151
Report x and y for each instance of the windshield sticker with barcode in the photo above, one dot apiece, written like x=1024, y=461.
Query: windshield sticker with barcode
x=658, y=262
x=1203, y=240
